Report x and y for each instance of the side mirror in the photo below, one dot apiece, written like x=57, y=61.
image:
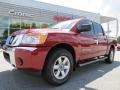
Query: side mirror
x=84, y=28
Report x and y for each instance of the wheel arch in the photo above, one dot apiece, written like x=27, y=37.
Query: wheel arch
x=109, y=47
x=63, y=46
x=112, y=46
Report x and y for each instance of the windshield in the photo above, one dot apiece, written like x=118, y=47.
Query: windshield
x=65, y=25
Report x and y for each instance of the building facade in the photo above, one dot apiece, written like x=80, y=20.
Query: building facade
x=25, y=14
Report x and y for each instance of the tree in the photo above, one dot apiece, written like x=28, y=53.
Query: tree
x=33, y=25
x=44, y=25
x=118, y=39
x=5, y=34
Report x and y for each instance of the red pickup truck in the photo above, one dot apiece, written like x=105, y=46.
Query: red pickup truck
x=56, y=51
x=118, y=47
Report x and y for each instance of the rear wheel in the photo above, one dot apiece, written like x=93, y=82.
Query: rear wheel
x=59, y=67
x=110, y=58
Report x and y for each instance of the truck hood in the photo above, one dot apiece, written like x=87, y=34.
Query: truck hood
x=47, y=30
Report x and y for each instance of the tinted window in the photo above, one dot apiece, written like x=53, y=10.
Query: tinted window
x=98, y=29
x=85, y=22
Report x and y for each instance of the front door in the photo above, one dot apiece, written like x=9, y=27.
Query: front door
x=87, y=42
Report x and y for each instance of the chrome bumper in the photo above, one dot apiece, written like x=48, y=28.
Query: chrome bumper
x=9, y=55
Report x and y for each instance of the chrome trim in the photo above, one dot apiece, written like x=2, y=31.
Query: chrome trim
x=11, y=52
x=90, y=62
x=61, y=67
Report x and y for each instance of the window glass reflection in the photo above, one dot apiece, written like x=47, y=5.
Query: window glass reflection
x=3, y=33
x=44, y=25
x=35, y=24
x=25, y=24
x=15, y=23
x=4, y=21
x=13, y=30
x=30, y=24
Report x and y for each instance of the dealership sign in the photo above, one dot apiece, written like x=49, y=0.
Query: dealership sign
x=18, y=13
x=61, y=18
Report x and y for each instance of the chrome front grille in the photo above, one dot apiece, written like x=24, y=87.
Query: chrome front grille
x=14, y=40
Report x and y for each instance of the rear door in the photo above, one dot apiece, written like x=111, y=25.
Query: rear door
x=102, y=39
x=87, y=42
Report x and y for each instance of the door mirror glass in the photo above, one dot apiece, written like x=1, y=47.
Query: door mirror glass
x=84, y=28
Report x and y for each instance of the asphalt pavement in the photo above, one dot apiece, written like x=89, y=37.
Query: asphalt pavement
x=96, y=76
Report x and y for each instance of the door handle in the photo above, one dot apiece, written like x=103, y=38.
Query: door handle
x=97, y=41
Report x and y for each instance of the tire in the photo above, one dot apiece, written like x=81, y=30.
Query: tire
x=110, y=57
x=59, y=67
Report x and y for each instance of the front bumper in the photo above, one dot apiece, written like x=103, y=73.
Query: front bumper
x=30, y=58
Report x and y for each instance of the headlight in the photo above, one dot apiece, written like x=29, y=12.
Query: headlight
x=34, y=38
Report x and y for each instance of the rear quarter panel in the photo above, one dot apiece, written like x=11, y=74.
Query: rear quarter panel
x=111, y=42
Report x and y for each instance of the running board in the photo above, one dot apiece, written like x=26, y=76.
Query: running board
x=90, y=62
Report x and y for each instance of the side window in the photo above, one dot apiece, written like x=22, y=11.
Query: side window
x=98, y=29
x=91, y=32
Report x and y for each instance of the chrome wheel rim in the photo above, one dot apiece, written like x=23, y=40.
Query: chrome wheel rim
x=61, y=67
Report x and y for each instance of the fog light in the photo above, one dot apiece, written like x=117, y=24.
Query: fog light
x=20, y=61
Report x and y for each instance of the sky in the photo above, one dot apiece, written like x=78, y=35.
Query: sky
x=109, y=8
x=104, y=7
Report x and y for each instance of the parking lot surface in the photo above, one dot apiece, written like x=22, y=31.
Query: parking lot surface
x=96, y=76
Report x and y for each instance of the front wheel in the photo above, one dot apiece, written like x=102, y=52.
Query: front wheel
x=59, y=67
x=110, y=58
